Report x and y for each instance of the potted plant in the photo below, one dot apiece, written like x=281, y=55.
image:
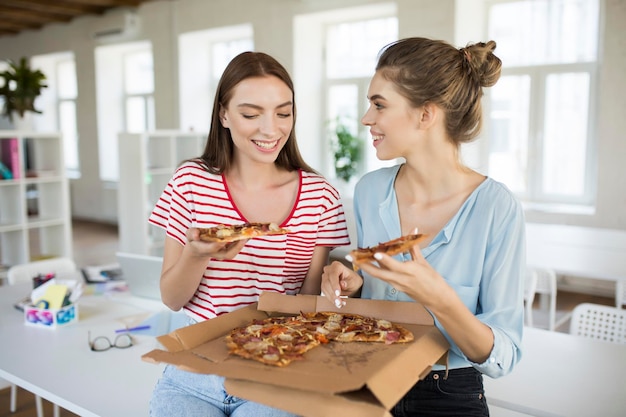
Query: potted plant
x=22, y=85
x=346, y=151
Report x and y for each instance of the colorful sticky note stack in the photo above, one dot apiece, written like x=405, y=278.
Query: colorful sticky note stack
x=54, y=296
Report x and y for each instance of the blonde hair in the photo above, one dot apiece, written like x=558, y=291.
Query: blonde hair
x=433, y=71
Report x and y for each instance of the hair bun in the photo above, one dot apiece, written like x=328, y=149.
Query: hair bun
x=482, y=63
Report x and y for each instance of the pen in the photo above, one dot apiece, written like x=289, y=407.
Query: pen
x=132, y=329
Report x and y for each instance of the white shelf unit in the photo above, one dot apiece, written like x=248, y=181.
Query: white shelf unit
x=147, y=162
x=35, y=220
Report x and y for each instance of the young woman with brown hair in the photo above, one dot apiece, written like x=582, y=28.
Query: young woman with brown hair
x=250, y=171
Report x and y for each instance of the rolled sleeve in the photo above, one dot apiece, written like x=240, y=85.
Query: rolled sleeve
x=504, y=355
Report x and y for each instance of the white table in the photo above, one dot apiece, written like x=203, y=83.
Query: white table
x=584, y=252
x=562, y=375
x=59, y=366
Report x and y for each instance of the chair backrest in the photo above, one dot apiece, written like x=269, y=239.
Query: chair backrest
x=599, y=322
x=530, y=285
x=26, y=272
x=546, y=281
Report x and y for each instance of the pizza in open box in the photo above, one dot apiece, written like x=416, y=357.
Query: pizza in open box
x=280, y=340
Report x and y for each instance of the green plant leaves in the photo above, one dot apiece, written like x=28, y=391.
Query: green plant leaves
x=22, y=86
x=347, y=152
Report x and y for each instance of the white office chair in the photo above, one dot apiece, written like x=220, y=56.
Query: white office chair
x=620, y=293
x=540, y=281
x=25, y=273
x=600, y=322
x=530, y=286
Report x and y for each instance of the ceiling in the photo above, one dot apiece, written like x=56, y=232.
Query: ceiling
x=19, y=15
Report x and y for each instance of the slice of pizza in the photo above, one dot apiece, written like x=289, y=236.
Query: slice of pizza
x=350, y=327
x=358, y=328
x=392, y=247
x=232, y=233
x=276, y=341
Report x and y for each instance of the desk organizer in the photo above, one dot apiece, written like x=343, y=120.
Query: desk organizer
x=50, y=318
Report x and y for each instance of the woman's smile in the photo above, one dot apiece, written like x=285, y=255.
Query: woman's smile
x=266, y=145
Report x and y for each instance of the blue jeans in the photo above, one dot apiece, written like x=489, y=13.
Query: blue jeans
x=186, y=394
x=460, y=394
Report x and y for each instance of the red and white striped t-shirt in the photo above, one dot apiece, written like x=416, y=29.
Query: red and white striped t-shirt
x=197, y=198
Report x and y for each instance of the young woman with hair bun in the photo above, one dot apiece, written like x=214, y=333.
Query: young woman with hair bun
x=425, y=101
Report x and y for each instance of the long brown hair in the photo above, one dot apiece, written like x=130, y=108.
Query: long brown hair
x=218, y=152
x=432, y=71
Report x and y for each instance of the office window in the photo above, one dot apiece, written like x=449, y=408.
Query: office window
x=68, y=91
x=203, y=55
x=540, y=121
x=138, y=90
x=58, y=104
x=124, y=97
x=351, y=52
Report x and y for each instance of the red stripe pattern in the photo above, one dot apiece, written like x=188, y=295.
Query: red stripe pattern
x=196, y=198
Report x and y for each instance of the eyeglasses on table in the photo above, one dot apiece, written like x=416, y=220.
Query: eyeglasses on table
x=102, y=343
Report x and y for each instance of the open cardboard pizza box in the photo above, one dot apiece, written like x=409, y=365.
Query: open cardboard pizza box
x=346, y=379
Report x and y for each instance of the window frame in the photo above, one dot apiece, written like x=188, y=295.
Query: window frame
x=72, y=171
x=110, y=104
x=147, y=98
x=369, y=161
x=535, y=197
x=195, y=53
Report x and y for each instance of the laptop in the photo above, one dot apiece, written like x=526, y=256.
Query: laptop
x=141, y=273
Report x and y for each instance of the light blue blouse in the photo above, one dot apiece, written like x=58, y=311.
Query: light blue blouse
x=481, y=253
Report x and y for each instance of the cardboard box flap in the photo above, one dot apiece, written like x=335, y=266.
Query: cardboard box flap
x=395, y=311
x=306, y=403
x=291, y=304
x=190, y=337
x=390, y=383
x=185, y=360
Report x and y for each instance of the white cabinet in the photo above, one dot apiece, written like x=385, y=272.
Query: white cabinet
x=147, y=162
x=35, y=219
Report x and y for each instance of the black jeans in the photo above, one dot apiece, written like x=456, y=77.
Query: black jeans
x=461, y=394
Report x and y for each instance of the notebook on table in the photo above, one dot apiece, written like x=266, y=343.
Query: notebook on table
x=141, y=274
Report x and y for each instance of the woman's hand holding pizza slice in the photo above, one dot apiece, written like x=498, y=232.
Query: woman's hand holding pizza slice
x=338, y=281
x=416, y=278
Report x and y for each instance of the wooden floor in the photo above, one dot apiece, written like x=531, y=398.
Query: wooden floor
x=565, y=303
x=96, y=244
x=25, y=405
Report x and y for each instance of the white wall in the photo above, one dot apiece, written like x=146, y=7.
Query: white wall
x=162, y=21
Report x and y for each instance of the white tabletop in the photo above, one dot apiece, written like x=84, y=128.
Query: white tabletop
x=59, y=366
x=578, y=251
x=563, y=375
